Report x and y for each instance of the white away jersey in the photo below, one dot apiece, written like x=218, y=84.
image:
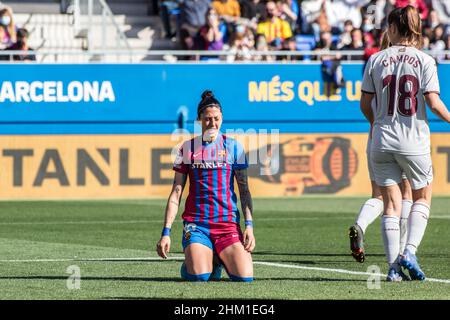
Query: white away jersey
x=400, y=77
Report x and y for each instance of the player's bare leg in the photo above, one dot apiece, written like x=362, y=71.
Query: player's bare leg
x=197, y=265
x=238, y=262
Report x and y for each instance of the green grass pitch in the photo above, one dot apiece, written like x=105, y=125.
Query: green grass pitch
x=302, y=252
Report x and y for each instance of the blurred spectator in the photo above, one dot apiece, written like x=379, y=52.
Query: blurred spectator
x=242, y=44
x=313, y=17
x=442, y=7
x=355, y=45
x=209, y=36
x=331, y=64
x=253, y=9
x=262, y=46
x=192, y=14
x=418, y=4
x=289, y=44
x=289, y=11
x=22, y=45
x=325, y=42
x=384, y=7
x=374, y=44
x=428, y=32
x=367, y=23
x=425, y=43
x=7, y=21
x=368, y=40
x=186, y=43
x=433, y=20
x=338, y=11
x=228, y=10
x=447, y=45
x=352, y=25
x=166, y=8
x=437, y=42
x=192, y=18
x=5, y=40
x=274, y=28
x=345, y=38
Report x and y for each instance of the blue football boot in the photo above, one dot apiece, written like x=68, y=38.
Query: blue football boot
x=395, y=275
x=409, y=261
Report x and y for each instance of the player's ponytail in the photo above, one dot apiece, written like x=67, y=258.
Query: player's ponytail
x=408, y=23
x=385, y=43
x=208, y=100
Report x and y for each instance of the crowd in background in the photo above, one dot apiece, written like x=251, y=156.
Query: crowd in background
x=247, y=26
x=13, y=38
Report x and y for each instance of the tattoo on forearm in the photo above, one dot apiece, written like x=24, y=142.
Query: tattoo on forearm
x=174, y=202
x=244, y=192
x=247, y=204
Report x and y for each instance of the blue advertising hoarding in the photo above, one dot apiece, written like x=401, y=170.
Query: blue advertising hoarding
x=149, y=98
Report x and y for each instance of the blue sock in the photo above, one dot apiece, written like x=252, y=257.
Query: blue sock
x=240, y=279
x=193, y=277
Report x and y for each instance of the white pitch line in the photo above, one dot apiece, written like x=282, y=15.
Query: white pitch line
x=180, y=258
x=335, y=270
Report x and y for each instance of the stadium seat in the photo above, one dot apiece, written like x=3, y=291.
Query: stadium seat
x=305, y=42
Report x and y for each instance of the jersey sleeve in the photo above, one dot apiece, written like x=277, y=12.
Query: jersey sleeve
x=180, y=164
x=240, y=158
x=367, y=84
x=430, y=81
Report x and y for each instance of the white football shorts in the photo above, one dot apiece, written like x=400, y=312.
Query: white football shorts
x=388, y=167
x=370, y=167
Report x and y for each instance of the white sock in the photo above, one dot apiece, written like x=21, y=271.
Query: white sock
x=370, y=210
x=417, y=223
x=390, y=230
x=406, y=209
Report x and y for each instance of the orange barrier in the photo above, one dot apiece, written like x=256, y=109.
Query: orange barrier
x=139, y=166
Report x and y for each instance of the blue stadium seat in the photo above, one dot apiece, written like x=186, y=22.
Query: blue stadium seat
x=305, y=42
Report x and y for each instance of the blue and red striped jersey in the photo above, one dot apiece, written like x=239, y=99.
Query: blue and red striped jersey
x=210, y=166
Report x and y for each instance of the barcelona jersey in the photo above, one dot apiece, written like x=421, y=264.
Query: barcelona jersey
x=211, y=199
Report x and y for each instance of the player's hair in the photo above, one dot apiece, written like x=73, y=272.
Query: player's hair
x=385, y=43
x=208, y=100
x=408, y=23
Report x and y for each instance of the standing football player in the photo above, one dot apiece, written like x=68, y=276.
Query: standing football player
x=402, y=78
x=211, y=218
x=373, y=207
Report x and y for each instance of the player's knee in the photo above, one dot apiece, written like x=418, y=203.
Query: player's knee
x=240, y=279
x=193, y=277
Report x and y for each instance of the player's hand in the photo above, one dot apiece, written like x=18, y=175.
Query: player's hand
x=249, y=240
x=210, y=135
x=163, y=247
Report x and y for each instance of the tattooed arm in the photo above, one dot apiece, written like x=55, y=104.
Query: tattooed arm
x=179, y=182
x=247, y=207
x=174, y=199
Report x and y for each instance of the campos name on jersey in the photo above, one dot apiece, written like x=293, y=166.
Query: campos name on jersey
x=401, y=58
